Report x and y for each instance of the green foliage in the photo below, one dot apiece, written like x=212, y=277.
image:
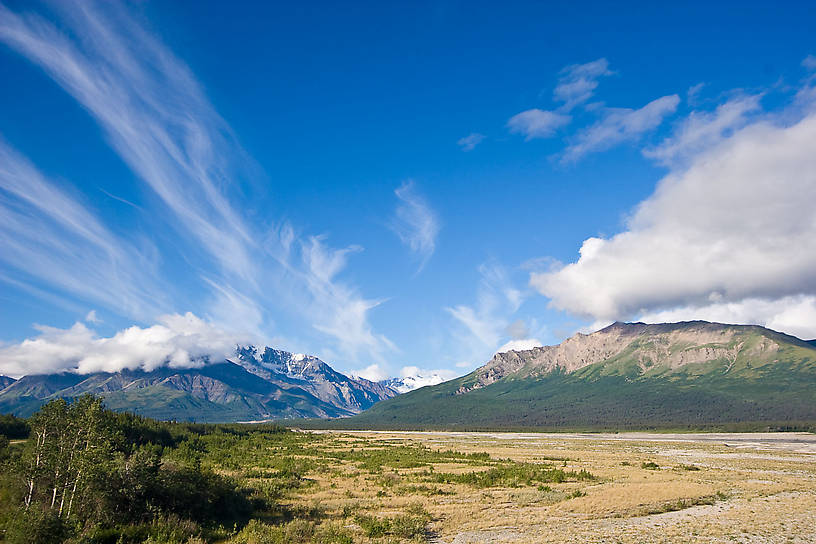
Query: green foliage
x=42, y=526
x=650, y=465
x=296, y=531
x=90, y=471
x=412, y=524
x=13, y=427
x=511, y=475
x=144, y=481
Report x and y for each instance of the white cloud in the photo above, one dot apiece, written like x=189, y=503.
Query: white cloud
x=49, y=236
x=488, y=324
x=794, y=315
x=415, y=222
x=177, y=341
x=536, y=123
x=469, y=142
x=578, y=82
x=731, y=235
x=340, y=311
x=693, y=93
x=702, y=130
x=157, y=118
x=809, y=62
x=619, y=125
x=373, y=372
x=519, y=345
x=91, y=317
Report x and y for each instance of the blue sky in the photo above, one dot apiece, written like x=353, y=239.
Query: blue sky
x=393, y=185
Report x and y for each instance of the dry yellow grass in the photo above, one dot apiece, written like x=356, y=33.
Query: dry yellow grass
x=701, y=490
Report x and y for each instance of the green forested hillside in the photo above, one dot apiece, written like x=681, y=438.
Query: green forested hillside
x=767, y=380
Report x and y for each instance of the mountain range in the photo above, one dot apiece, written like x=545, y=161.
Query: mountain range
x=255, y=384
x=625, y=376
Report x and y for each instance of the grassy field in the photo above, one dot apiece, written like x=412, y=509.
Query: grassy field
x=167, y=483
x=472, y=487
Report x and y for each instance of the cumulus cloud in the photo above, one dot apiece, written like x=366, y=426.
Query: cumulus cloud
x=536, y=123
x=519, y=345
x=577, y=82
x=794, y=315
x=177, y=341
x=469, y=142
x=157, y=118
x=701, y=130
x=619, y=125
x=373, y=372
x=415, y=222
x=90, y=317
x=731, y=236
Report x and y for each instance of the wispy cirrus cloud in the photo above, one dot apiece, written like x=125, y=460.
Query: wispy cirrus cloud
x=703, y=129
x=50, y=238
x=487, y=326
x=536, y=123
x=619, y=125
x=159, y=121
x=415, y=222
x=469, y=142
x=576, y=85
x=577, y=82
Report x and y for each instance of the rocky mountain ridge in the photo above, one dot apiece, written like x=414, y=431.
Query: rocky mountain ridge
x=669, y=345
x=255, y=384
x=690, y=375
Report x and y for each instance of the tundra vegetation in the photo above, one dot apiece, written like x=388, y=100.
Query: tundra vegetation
x=79, y=473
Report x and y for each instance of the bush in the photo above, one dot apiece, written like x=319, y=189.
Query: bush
x=409, y=525
x=511, y=475
x=13, y=427
x=297, y=531
x=372, y=526
x=35, y=525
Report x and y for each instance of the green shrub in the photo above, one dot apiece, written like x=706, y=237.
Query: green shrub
x=35, y=525
x=332, y=534
x=13, y=427
x=412, y=524
x=511, y=475
x=373, y=526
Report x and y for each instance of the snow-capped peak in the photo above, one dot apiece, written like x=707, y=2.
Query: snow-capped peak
x=409, y=383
